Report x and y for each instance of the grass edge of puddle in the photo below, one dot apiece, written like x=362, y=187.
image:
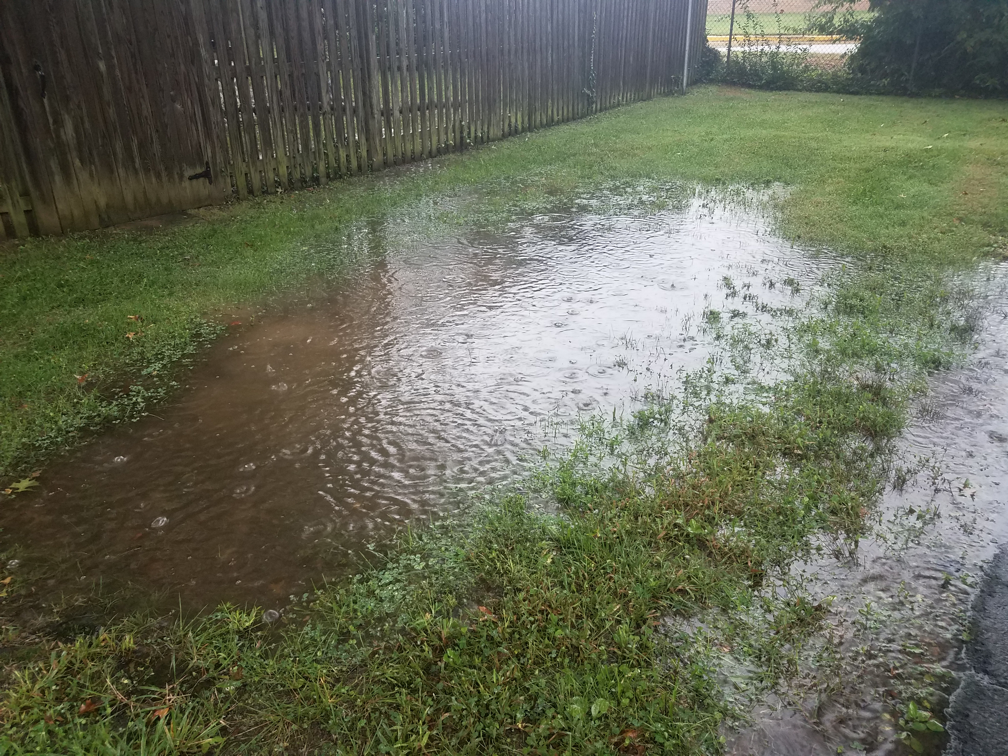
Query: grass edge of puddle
x=96, y=328
x=373, y=653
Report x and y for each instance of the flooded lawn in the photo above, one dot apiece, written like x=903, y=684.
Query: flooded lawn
x=899, y=605
x=314, y=431
x=328, y=424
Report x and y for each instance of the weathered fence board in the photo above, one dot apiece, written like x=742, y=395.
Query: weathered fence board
x=112, y=110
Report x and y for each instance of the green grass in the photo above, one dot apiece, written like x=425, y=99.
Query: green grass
x=771, y=24
x=506, y=630
x=870, y=174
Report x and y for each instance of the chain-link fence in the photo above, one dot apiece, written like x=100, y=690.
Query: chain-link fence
x=780, y=37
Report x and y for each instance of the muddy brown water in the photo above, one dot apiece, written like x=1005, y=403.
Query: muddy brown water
x=329, y=423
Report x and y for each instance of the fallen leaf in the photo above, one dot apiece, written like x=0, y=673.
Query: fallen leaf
x=487, y=612
x=35, y=473
x=21, y=486
x=87, y=707
x=81, y=378
x=235, y=322
x=159, y=713
x=6, y=580
x=130, y=335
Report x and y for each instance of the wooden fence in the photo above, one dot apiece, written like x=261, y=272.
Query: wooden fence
x=112, y=110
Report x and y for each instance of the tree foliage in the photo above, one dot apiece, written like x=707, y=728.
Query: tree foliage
x=926, y=45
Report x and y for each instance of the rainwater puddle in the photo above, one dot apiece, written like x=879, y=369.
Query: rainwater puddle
x=324, y=427
x=901, y=604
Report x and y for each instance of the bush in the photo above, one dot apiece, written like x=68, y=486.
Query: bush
x=926, y=45
x=755, y=63
x=710, y=65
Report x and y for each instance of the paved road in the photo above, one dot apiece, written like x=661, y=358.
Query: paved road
x=815, y=48
x=978, y=714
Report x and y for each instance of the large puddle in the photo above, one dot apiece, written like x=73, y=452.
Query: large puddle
x=326, y=425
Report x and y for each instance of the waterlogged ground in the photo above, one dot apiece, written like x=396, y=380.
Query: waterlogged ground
x=320, y=428
x=899, y=605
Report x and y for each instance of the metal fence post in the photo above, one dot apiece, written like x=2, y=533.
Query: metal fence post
x=916, y=54
x=731, y=31
x=689, y=43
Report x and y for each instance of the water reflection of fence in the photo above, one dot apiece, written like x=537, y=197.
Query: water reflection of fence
x=119, y=109
x=794, y=28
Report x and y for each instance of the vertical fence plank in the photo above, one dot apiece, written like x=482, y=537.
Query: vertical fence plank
x=276, y=78
x=329, y=164
x=227, y=94
x=14, y=181
x=251, y=81
x=478, y=62
x=527, y=66
x=418, y=76
x=439, y=37
x=396, y=50
x=508, y=66
x=403, y=90
x=433, y=76
x=410, y=84
x=347, y=84
x=468, y=136
x=299, y=97
x=238, y=85
x=456, y=36
x=376, y=140
x=26, y=32
x=384, y=57
x=356, y=20
x=211, y=113
x=308, y=74
x=258, y=115
x=417, y=24
x=334, y=96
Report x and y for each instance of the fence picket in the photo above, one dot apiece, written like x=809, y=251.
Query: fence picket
x=111, y=109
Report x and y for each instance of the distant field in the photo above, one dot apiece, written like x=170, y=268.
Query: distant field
x=769, y=23
x=771, y=6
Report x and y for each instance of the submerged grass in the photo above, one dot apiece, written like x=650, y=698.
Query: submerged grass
x=91, y=326
x=513, y=631
x=510, y=630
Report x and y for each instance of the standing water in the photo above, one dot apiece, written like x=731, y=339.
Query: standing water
x=899, y=606
x=325, y=426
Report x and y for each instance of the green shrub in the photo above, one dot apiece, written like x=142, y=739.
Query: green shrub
x=926, y=45
x=710, y=65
